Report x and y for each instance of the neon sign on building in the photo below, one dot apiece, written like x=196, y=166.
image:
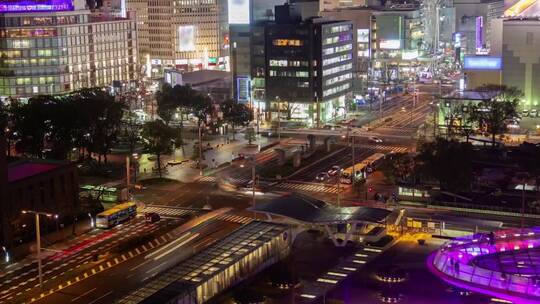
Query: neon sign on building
x=28, y=6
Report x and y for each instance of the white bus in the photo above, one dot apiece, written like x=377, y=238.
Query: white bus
x=361, y=168
x=116, y=215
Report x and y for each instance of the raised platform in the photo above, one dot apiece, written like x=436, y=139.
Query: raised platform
x=505, y=264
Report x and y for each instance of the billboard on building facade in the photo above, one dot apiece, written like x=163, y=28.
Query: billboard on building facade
x=25, y=6
x=393, y=44
x=238, y=11
x=242, y=88
x=186, y=38
x=363, y=35
x=482, y=63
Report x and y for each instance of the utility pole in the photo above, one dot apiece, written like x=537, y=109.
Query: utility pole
x=253, y=176
x=127, y=174
x=353, y=173
x=200, y=150
x=38, y=239
x=339, y=188
x=38, y=244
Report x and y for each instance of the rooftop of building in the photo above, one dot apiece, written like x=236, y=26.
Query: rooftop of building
x=202, y=77
x=23, y=169
x=310, y=210
x=377, y=8
x=471, y=95
x=198, y=269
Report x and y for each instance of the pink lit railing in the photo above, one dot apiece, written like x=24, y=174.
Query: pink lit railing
x=454, y=260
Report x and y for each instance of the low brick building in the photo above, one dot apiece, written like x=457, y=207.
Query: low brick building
x=39, y=185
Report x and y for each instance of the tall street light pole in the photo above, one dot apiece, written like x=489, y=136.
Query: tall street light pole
x=200, y=150
x=38, y=239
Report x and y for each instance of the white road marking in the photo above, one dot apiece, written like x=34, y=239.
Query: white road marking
x=84, y=294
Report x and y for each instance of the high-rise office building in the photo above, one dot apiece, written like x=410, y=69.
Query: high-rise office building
x=184, y=34
x=308, y=66
x=61, y=46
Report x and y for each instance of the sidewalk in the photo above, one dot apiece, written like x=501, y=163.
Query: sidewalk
x=56, y=241
x=212, y=158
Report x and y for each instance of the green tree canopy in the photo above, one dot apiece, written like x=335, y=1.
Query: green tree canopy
x=492, y=115
x=158, y=139
x=447, y=161
x=236, y=114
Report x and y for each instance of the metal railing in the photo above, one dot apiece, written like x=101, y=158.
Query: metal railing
x=455, y=259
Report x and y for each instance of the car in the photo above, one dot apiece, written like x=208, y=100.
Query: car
x=321, y=177
x=345, y=178
x=534, y=113
x=375, y=139
x=175, y=162
x=525, y=113
x=151, y=217
x=334, y=170
x=239, y=157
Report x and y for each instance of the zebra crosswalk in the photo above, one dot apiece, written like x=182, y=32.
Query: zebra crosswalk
x=234, y=218
x=236, y=181
x=395, y=149
x=166, y=211
x=307, y=187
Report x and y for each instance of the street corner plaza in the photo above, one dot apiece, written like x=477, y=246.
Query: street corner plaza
x=505, y=264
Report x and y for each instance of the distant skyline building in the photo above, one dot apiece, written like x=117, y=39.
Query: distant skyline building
x=186, y=34
x=61, y=46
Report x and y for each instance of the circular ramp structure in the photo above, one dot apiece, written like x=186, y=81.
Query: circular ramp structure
x=504, y=264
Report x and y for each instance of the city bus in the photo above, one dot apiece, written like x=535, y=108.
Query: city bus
x=361, y=168
x=116, y=215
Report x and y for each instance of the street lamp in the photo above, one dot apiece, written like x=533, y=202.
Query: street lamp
x=38, y=238
x=278, y=118
x=92, y=223
x=6, y=254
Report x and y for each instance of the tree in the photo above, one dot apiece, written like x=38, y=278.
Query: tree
x=493, y=114
x=447, y=161
x=32, y=123
x=131, y=130
x=399, y=167
x=250, y=135
x=166, y=106
x=101, y=118
x=236, y=114
x=158, y=139
x=290, y=108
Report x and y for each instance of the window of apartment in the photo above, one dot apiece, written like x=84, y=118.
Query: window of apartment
x=337, y=59
x=337, y=69
x=337, y=89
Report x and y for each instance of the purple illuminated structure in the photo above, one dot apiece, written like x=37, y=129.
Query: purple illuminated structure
x=505, y=264
x=29, y=6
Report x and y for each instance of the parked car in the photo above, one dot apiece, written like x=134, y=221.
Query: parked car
x=321, y=177
x=375, y=139
x=151, y=217
x=334, y=170
x=175, y=162
x=525, y=113
x=534, y=113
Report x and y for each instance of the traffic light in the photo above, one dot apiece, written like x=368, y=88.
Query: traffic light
x=370, y=189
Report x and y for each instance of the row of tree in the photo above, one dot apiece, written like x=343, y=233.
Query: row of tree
x=491, y=115
x=179, y=102
x=92, y=121
x=89, y=120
